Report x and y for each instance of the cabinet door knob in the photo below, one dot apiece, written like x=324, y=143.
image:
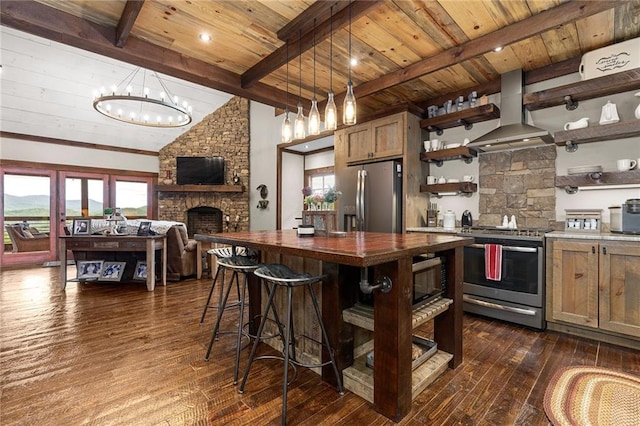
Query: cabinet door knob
x=593, y=249
x=604, y=250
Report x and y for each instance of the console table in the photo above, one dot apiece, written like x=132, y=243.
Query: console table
x=121, y=243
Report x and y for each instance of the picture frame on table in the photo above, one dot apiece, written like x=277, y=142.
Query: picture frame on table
x=81, y=227
x=88, y=270
x=140, y=273
x=144, y=228
x=112, y=271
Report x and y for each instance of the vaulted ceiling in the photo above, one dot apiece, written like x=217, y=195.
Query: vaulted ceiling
x=408, y=51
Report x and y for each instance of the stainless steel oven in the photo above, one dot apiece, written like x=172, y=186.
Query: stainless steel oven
x=519, y=294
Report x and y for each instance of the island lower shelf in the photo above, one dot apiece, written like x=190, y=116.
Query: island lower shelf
x=359, y=378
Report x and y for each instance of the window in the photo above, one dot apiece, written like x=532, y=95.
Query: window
x=320, y=180
x=131, y=198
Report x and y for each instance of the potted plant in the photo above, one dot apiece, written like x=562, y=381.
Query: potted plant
x=330, y=197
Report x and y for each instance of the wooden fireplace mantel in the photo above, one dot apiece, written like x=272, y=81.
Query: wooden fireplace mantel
x=200, y=188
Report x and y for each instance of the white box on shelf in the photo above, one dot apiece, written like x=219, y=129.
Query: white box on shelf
x=611, y=59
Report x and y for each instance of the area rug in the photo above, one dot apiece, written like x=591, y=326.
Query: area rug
x=583, y=395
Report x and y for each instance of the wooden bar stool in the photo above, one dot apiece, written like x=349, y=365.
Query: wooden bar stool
x=238, y=265
x=275, y=276
x=221, y=253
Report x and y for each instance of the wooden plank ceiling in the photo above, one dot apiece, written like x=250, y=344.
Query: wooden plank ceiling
x=408, y=51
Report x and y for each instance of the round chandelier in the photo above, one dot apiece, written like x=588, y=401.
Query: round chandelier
x=130, y=102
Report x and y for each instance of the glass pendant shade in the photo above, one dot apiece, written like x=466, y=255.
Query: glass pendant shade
x=299, y=124
x=349, y=106
x=286, y=129
x=314, y=118
x=330, y=113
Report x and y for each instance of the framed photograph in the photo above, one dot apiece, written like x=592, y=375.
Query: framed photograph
x=112, y=271
x=88, y=270
x=144, y=228
x=81, y=226
x=140, y=272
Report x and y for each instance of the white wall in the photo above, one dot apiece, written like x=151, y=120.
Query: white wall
x=265, y=137
x=604, y=153
x=292, y=179
x=38, y=152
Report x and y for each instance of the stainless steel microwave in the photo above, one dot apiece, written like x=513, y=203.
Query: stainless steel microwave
x=429, y=280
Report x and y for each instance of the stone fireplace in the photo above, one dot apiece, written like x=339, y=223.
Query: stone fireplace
x=204, y=220
x=225, y=133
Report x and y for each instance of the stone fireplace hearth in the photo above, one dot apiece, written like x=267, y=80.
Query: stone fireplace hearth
x=225, y=133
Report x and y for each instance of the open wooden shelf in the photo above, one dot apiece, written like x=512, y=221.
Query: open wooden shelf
x=461, y=153
x=466, y=118
x=362, y=315
x=625, y=129
x=200, y=188
x=594, y=179
x=359, y=378
x=583, y=90
x=461, y=187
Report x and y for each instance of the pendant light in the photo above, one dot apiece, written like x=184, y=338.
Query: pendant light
x=286, y=124
x=349, y=105
x=300, y=132
x=314, y=114
x=330, y=111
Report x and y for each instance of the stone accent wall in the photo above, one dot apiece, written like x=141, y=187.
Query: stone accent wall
x=519, y=183
x=225, y=133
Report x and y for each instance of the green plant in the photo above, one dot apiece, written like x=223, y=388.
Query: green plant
x=108, y=210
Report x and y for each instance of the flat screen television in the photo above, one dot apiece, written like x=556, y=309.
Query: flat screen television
x=200, y=170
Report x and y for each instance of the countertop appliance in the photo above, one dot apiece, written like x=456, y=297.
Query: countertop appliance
x=371, y=197
x=466, y=221
x=626, y=218
x=519, y=295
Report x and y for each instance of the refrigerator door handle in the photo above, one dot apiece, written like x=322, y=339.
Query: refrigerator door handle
x=363, y=185
x=358, y=191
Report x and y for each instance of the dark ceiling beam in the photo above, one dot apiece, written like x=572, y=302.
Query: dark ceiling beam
x=320, y=10
x=129, y=15
x=518, y=31
x=36, y=18
x=279, y=57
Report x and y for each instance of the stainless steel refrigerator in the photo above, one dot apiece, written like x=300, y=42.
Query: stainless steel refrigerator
x=371, y=197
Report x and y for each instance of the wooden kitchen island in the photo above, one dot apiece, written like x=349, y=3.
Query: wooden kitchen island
x=341, y=260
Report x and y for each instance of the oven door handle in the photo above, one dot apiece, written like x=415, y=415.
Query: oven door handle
x=475, y=301
x=509, y=248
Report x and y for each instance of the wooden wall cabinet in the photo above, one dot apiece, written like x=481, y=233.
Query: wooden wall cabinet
x=596, y=284
x=375, y=140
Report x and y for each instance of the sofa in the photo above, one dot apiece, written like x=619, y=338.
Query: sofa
x=27, y=238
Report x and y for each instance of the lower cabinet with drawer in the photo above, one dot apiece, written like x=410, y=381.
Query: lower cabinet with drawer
x=595, y=285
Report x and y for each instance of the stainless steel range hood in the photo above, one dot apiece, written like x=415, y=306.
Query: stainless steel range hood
x=513, y=132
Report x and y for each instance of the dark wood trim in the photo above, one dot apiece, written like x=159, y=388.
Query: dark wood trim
x=72, y=168
x=65, y=142
x=200, y=188
x=129, y=15
x=315, y=151
x=320, y=10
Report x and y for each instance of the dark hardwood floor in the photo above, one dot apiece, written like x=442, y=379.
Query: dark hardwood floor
x=113, y=353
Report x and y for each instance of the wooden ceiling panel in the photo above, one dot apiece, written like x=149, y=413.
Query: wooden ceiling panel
x=532, y=53
x=562, y=43
x=408, y=50
x=595, y=31
x=503, y=61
